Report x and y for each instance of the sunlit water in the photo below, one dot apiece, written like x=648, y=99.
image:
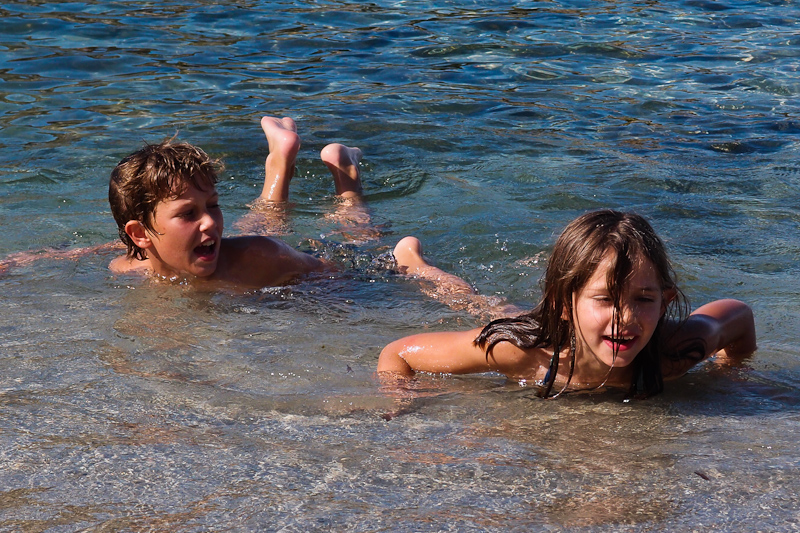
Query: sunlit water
x=133, y=406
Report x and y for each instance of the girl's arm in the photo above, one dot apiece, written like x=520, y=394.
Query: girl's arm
x=445, y=352
x=451, y=352
x=731, y=329
x=723, y=327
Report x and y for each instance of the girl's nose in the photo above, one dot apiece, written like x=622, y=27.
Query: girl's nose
x=626, y=314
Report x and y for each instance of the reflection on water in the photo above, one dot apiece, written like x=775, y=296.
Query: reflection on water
x=130, y=406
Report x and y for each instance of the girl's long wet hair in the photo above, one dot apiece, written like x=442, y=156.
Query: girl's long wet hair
x=626, y=238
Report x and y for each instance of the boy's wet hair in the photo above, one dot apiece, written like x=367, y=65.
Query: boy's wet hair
x=153, y=174
x=625, y=238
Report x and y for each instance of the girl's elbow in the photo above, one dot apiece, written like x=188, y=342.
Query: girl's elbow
x=741, y=340
x=731, y=321
x=747, y=326
x=390, y=361
x=744, y=346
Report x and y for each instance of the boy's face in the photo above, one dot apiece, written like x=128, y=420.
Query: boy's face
x=188, y=234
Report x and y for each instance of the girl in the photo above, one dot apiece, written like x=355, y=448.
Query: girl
x=611, y=316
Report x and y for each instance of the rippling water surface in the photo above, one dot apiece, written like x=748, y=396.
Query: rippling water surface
x=486, y=126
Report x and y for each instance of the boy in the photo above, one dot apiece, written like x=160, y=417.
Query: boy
x=166, y=206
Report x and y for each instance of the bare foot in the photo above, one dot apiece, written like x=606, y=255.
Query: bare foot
x=351, y=212
x=408, y=254
x=449, y=288
x=342, y=161
x=284, y=144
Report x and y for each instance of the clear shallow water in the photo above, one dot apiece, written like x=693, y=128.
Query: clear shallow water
x=129, y=407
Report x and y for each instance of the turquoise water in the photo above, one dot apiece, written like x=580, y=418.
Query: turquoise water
x=485, y=127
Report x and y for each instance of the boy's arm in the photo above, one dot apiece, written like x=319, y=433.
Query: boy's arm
x=19, y=259
x=723, y=327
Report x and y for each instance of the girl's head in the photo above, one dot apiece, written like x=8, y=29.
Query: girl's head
x=622, y=241
x=606, y=267
x=624, y=249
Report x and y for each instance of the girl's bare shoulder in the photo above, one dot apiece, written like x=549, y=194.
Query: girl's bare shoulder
x=519, y=363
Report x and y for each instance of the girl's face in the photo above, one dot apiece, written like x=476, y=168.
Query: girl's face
x=642, y=305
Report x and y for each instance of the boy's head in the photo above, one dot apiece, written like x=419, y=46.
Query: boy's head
x=154, y=174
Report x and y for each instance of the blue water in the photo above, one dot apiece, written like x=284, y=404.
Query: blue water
x=485, y=128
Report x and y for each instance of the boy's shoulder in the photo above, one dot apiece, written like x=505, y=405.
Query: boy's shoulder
x=257, y=248
x=263, y=261
x=124, y=263
x=255, y=243
x=250, y=243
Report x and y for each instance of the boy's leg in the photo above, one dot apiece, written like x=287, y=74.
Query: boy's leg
x=284, y=144
x=351, y=212
x=343, y=161
x=268, y=216
x=449, y=288
x=408, y=254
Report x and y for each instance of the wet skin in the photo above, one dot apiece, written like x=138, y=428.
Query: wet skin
x=642, y=306
x=187, y=234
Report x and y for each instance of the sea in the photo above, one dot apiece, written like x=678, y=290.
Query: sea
x=486, y=126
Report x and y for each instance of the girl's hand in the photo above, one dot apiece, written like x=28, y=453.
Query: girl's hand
x=733, y=329
x=724, y=327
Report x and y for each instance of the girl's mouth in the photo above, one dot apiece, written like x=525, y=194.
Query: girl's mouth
x=620, y=343
x=206, y=251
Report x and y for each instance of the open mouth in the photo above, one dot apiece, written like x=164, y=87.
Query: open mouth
x=620, y=343
x=206, y=251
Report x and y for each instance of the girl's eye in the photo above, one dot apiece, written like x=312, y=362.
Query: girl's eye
x=187, y=214
x=213, y=206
